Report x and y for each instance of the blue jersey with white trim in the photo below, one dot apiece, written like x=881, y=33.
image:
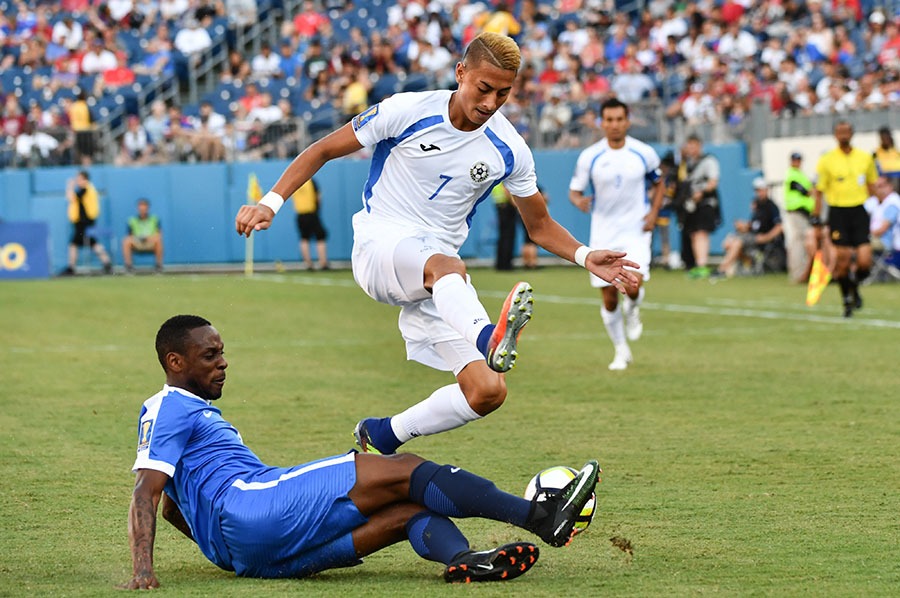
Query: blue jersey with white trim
x=619, y=178
x=186, y=438
x=426, y=175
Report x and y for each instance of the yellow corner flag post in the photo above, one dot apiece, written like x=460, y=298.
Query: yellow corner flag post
x=254, y=194
x=819, y=277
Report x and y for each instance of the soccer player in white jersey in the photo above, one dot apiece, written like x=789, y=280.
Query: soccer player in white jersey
x=437, y=155
x=620, y=168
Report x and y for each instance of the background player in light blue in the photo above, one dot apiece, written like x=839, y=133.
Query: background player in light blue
x=263, y=521
x=436, y=157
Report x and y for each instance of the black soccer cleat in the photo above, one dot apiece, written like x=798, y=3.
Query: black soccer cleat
x=562, y=509
x=500, y=564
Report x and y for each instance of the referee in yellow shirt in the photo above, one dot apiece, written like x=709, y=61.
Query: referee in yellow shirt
x=845, y=176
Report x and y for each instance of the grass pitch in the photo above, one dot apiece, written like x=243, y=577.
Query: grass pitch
x=750, y=449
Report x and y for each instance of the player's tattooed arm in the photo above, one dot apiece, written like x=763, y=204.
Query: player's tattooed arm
x=173, y=515
x=148, y=487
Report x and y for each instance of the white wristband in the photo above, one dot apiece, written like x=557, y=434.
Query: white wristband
x=581, y=254
x=272, y=200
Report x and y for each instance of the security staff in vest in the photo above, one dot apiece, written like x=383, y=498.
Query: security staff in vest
x=846, y=177
x=144, y=235
x=306, y=204
x=800, y=240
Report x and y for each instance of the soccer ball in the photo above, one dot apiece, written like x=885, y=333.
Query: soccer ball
x=552, y=480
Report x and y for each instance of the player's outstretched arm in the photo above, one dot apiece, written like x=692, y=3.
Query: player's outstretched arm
x=148, y=487
x=549, y=234
x=259, y=217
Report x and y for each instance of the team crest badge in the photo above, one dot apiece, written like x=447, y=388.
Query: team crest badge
x=479, y=172
x=360, y=120
x=144, y=435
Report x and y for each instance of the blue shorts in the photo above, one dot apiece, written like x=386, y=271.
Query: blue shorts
x=292, y=522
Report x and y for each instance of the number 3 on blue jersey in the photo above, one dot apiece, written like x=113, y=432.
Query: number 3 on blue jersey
x=446, y=180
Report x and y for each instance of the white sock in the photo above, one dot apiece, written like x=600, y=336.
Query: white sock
x=615, y=325
x=633, y=306
x=458, y=305
x=446, y=409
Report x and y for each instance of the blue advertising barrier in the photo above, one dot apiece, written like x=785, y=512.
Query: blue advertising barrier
x=23, y=250
x=196, y=204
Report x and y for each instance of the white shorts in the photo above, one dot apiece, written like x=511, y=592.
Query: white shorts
x=637, y=248
x=389, y=265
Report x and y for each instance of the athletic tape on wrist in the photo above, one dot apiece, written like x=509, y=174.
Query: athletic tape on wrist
x=272, y=200
x=581, y=254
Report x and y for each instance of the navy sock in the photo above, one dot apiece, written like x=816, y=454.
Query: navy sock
x=483, y=337
x=453, y=492
x=382, y=434
x=434, y=537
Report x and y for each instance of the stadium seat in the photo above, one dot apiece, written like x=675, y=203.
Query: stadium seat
x=416, y=82
x=386, y=85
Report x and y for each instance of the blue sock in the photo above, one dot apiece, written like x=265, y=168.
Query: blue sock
x=434, y=537
x=483, y=337
x=453, y=492
x=382, y=434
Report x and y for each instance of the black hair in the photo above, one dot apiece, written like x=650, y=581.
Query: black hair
x=172, y=335
x=612, y=103
x=85, y=174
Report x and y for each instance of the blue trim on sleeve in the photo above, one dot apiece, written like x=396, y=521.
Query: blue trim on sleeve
x=383, y=149
x=509, y=161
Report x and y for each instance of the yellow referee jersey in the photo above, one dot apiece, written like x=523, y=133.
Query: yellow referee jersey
x=843, y=177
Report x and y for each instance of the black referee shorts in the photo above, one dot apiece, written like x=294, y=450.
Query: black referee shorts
x=849, y=226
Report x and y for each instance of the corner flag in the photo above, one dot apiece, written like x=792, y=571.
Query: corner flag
x=819, y=277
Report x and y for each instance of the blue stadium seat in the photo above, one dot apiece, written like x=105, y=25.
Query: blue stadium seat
x=416, y=82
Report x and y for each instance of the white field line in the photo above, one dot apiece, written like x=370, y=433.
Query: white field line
x=724, y=308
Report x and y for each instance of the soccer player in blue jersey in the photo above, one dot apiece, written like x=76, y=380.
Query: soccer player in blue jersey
x=437, y=155
x=264, y=521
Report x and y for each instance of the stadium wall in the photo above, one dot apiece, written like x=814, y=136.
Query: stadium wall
x=197, y=203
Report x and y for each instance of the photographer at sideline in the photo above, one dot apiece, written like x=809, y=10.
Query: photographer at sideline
x=698, y=190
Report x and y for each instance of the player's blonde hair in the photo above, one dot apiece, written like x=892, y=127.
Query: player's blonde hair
x=496, y=49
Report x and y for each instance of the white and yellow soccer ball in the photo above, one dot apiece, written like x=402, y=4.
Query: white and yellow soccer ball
x=552, y=480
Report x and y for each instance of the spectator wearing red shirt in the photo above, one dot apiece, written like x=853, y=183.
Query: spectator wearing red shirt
x=12, y=118
x=114, y=78
x=308, y=21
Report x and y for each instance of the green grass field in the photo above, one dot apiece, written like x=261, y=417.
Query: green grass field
x=750, y=450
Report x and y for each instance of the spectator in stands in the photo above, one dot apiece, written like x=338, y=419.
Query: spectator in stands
x=437, y=61
x=136, y=148
x=236, y=69
x=156, y=123
x=315, y=61
x=34, y=147
x=266, y=64
x=173, y=11
x=113, y=79
x=737, y=44
x=80, y=120
x=68, y=33
x=207, y=130
x=98, y=59
x=555, y=117
x=192, y=40
x=289, y=63
x=355, y=97
x=83, y=210
x=143, y=235
x=266, y=112
x=762, y=233
x=242, y=13
x=145, y=15
x=632, y=86
x=12, y=118
x=874, y=36
x=884, y=213
x=309, y=20
x=178, y=145
x=156, y=61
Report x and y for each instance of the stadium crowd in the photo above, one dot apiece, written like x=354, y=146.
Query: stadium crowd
x=702, y=62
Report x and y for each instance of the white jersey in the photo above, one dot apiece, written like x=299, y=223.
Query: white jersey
x=427, y=176
x=889, y=210
x=619, y=178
